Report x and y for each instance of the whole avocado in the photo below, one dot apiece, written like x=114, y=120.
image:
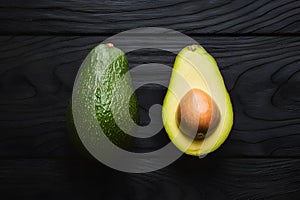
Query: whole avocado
x=100, y=73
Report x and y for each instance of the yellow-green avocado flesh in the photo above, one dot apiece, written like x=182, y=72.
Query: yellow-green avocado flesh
x=195, y=68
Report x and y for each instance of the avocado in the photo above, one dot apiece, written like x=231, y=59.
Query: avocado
x=75, y=139
x=100, y=73
x=197, y=112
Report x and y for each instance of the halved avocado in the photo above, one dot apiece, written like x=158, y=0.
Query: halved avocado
x=196, y=79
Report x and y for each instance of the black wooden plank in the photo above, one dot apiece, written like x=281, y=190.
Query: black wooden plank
x=261, y=73
x=106, y=17
x=187, y=178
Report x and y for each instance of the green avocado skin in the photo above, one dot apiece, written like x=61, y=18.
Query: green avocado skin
x=107, y=65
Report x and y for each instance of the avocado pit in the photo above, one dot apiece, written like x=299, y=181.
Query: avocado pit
x=197, y=114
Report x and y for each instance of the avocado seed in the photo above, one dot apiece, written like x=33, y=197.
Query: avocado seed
x=197, y=113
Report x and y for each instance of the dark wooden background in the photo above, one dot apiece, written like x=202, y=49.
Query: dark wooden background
x=257, y=46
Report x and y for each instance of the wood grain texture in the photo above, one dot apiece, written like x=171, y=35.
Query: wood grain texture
x=256, y=44
x=187, y=178
x=261, y=73
x=106, y=17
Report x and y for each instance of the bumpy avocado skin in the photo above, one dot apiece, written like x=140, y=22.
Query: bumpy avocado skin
x=108, y=65
x=74, y=135
x=195, y=68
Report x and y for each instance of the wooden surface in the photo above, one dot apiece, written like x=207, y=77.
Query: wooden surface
x=257, y=47
x=187, y=178
x=106, y=17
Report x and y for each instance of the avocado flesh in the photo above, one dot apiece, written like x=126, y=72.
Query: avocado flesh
x=100, y=73
x=195, y=68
